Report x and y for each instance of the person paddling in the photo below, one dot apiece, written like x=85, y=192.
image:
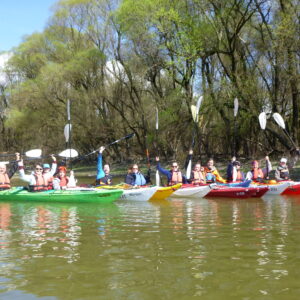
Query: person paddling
x=174, y=175
x=103, y=174
x=282, y=171
x=258, y=174
x=135, y=177
x=212, y=174
x=38, y=181
x=6, y=175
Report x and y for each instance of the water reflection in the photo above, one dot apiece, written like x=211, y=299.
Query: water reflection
x=171, y=249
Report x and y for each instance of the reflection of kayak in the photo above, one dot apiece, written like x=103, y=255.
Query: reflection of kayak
x=76, y=195
x=237, y=192
x=190, y=191
x=292, y=190
x=139, y=193
x=165, y=192
x=274, y=189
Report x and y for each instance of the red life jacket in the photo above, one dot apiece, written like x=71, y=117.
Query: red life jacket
x=239, y=176
x=4, y=181
x=63, y=181
x=257, y=173
x=176, y=178
x=197, y=177
x=48, y=182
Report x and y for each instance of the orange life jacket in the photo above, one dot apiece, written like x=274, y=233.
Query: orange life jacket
x=197, y=177
x=257, y=173
x=40, y=183
x=4, y=181
x=49, y=182
x=239, y=176
x=176, y=178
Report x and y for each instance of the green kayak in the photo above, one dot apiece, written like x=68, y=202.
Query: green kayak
x=72, y=195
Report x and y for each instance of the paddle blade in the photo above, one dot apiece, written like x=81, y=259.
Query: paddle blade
x=34, y=153
x=157, y=179
x=4, y=163
x=199, y=104
x=262, y=120
x=156, y=125
x=279, y=120
x=188, y=170
x=68, y=153
x=236, y=107
x=67, y=132
x=194, y=112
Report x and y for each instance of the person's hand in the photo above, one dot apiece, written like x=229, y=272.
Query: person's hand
x=233, y=158
x=267, y=158
x=53, y=157
x=191, y=152
x=157, y=158
x=101, y=149
x=18, y=157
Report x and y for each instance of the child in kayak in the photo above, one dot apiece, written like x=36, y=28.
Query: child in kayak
x=103, y=174
x=174, y=175
x=62, y=181
x=258, y=174
x=38, y=180
x=234, y=173
x=212, y=174
x=282, y=171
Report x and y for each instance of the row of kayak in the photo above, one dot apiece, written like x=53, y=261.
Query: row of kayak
x=111, y=193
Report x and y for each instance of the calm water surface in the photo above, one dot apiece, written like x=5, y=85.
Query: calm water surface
x=179, y=249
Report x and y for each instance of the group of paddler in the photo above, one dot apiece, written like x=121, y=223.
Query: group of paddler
x=45, y=177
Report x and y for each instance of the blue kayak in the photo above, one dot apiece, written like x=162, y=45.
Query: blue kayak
x=237, y=184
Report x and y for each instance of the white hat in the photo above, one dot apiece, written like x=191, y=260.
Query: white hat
x=283, y=160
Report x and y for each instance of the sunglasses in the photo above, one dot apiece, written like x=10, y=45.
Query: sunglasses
x=174, y=166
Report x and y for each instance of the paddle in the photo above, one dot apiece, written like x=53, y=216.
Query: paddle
x=262, y=120
x=279, y=120
x=235, y=112
x=195, y=114
x=67, y=131
x=157, y=176
x=30, y=153
x=117, y=141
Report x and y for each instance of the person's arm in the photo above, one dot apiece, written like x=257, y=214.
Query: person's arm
x=23, y=176
x=129, y=179
x=143, y=179
x=13, y=169
x=266, y=171
x=53, y=166
x=100, y=172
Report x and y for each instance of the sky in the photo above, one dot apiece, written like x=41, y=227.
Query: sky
x=20, y=18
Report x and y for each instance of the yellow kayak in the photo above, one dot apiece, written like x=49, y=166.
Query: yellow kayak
x=165, y=192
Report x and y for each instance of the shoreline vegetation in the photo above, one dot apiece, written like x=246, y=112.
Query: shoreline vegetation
x=114, y=67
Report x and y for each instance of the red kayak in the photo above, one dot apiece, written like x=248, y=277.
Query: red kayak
x=237, y=192
x=292, y=190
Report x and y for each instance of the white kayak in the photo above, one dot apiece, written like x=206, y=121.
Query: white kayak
x=191, y=192
x=139, y=194
x=274, y=189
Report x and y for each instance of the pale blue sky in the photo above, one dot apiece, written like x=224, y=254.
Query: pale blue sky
x=22, y=17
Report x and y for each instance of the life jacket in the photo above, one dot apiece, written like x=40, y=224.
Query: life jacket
x=209, y=175
x=257, y=173
x=106, y=180
x=40, y=184
x=239, y=176
x=4, y=182
x=63, y=181
x=197, y=177
x=176, y=178
x=48, y=182
x=284, y=173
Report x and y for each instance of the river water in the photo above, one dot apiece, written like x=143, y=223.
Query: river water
x=176, y=249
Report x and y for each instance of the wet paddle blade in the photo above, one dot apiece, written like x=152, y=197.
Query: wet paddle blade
x=262, y=120
x=69, y=153
x=67, y=132
x=157, y=179
x=188, y=170
x=199, y=104
x=236, y=107
x=279, y=120
x=194, y=112
x=34, y=153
